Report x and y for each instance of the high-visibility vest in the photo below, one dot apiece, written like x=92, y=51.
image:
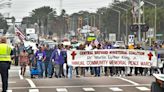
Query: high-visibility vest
x=5, y=51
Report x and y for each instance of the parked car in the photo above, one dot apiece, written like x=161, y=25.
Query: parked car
x=119, y=44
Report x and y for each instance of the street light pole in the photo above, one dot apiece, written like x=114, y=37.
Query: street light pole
x=155, y=22
x=119, y=13
x=94, y=21
x=100, y=20
x=126, y=39
x=48, y=16
x=155, y=16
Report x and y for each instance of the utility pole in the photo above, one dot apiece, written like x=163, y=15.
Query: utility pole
x=139, y=22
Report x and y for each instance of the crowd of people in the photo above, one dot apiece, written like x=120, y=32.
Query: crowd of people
x=52, y=62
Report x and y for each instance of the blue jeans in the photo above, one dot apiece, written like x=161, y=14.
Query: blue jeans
x=97, y=71
x=41, y=68
x=70, y=72
x=50, y=65
x=46, y=63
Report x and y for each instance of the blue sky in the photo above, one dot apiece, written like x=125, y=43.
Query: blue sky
x=21, y=8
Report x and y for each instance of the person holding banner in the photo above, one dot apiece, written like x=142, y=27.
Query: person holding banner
x=80, y=71
x=109, y=69
x=140, y=69
x=97, y=69
x=69, y=67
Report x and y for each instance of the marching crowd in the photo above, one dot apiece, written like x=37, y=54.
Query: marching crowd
x=51, y=62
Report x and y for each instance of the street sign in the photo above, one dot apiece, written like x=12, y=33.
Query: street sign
x=159, y=35
x=150, y=33
x=131, y=39
x=112, y=37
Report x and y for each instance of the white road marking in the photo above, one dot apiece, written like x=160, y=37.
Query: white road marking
x=88, y=89
x=33, y=90
x=132, y=82
x=9, y=91
x=12, y=82
x=20, y=76
x=98, y=86
x=61, y=90
x=116, y=89
x=31, y=83
x=143, y=88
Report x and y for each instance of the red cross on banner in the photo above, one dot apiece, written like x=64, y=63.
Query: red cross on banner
x=73, y=55
x=150, y=55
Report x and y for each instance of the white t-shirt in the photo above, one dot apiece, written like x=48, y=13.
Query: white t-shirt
x=58, y=51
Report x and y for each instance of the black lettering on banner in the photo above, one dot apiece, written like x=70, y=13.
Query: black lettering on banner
x=89, y=57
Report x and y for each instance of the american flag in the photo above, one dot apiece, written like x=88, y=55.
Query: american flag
x=19, y=33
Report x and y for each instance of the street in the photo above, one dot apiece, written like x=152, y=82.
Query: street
x=83, y=84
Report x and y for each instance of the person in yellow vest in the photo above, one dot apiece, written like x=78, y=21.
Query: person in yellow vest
x=5, y=61
x=131, y=46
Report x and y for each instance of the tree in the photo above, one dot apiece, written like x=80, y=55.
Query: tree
x=3, y=23
x=40, y=16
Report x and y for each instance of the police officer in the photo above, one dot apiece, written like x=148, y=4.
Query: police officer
x=5, y=60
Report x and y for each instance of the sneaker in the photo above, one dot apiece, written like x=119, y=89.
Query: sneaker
x=50, y=77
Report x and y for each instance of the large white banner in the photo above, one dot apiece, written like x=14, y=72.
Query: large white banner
x=112, y=57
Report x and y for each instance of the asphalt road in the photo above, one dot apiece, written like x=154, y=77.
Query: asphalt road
x=84, y=84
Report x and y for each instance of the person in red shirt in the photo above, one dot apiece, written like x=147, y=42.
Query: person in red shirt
x=23, y=61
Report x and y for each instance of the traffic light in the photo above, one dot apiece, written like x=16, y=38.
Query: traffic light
x=144, y=28
x=134, y=28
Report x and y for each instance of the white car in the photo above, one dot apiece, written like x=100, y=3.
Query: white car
x=119, y=44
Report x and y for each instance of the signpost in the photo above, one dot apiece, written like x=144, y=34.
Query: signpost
x=150, y=35
x=112, y=37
